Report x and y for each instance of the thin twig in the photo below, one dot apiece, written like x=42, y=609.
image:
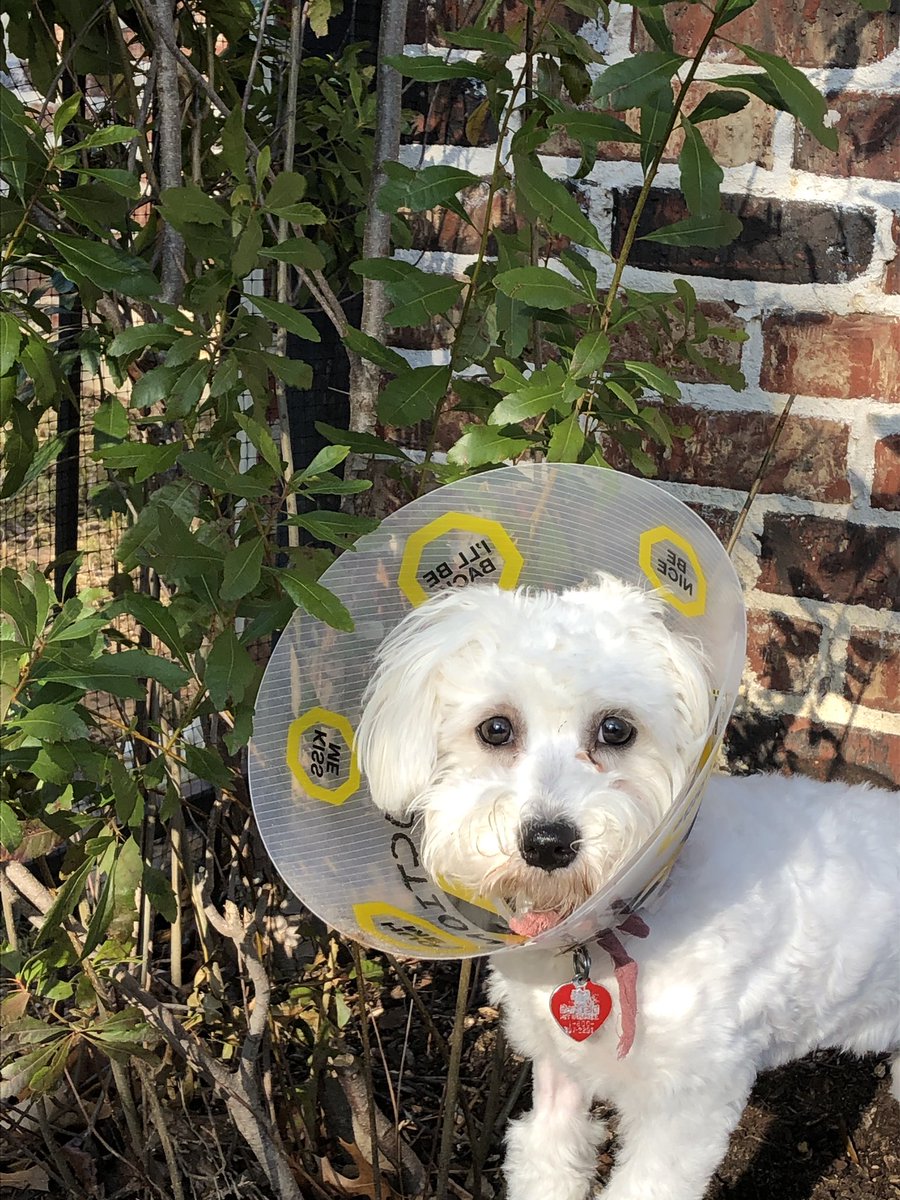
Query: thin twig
x=367, y=1064
x=452, y=1092
x=760, y=474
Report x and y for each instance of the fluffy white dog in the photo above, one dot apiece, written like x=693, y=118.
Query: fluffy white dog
x=541, y=739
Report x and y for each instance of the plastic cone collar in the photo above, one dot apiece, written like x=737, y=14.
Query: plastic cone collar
x=541, y=525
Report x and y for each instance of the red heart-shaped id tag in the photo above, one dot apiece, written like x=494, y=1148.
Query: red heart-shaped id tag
x=580, y=1008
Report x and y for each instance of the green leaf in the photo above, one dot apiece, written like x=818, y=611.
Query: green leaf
x=10, y=827
x=336, y=527
x=201, y=465
x=717, y=230
x=589, y=355
x=19, y=604
x=127, y=796
x=246, y=252
x=301, y=213
x=190, y=205
x=718, y=104
x=389, y=270
x=654, y=21
x=374, y=351
x=295, y=373
x=109, y=135
x=159, y=890
x=422, y=189
x=701, y=175
x=481, y=445
x=498, y=45
x=548, y=388
x=298, y=251
x=630, y=83
x=260, y=438
x=427, y=69
x=181, y=553
x=111, y=418
x=551, y=200
x=242, y=569
x=327, y=459
x=107, y=267
x=153, y=386
x=287, y=317
x=316, y=600
x=414, y=395
x=64, y=903
x=10, y=341
x=539, y=287
x=730, y=10
x=51, y=723
x=156, y=618
x=115, y=178
x=229, y=670
x=421, y=296
x=802, y=99
x=42, y=367
x=590, y=127
x=566, y=440
x=65, y=113
x=654, y=377
x=757, y=85
x=287, y=188
x=207, y=764
x=360, y=443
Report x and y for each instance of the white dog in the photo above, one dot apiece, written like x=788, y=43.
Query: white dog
x=541, y=738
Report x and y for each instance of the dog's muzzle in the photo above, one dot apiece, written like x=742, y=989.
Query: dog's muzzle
x=549, y=845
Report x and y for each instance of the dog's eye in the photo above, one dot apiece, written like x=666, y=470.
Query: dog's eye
x=615, y=731
x=496, y=731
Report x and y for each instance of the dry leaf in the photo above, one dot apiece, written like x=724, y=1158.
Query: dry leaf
x=35, y=1178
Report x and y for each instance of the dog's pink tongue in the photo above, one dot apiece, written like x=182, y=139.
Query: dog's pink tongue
x=532, y=923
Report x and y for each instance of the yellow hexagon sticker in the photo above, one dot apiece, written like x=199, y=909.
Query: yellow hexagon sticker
x=671, y=564
x=410, y=934
x=320, y=755
x=455, y=550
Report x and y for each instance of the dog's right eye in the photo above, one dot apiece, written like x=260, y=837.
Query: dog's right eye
x=496, y=731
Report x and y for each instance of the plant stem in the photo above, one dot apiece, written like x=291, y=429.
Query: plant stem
x=367, y=1064
x=631, y=232
x=452, y=1091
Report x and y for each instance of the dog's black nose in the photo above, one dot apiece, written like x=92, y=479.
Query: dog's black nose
x=548, y=844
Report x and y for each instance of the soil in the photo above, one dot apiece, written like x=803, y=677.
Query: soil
x=823, y=1128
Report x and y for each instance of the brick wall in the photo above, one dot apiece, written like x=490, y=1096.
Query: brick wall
x=815, y=283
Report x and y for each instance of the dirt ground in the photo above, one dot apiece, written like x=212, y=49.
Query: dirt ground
x=823, y=1128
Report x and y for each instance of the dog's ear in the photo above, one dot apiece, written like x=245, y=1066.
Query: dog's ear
x=396, y=740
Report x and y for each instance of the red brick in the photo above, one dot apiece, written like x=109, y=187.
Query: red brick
x=441, y=229
x=720, y=520
x=781, y=652
x=726, y=448
x=856, y=356
x=442, y=113
x=818, y=33
x=782, y=241
x=892, y=270
x=634, y=341
x=427, y=19
x=798, y=745
x=825, y=559
x=886, y=484
x=868, y=139
x=736, y=140
x=873, y=670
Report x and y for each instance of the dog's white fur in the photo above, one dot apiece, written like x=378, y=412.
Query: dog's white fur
x=778, y=932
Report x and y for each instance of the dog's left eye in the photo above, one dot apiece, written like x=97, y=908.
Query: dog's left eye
x=615, y=731
x=496, y=731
